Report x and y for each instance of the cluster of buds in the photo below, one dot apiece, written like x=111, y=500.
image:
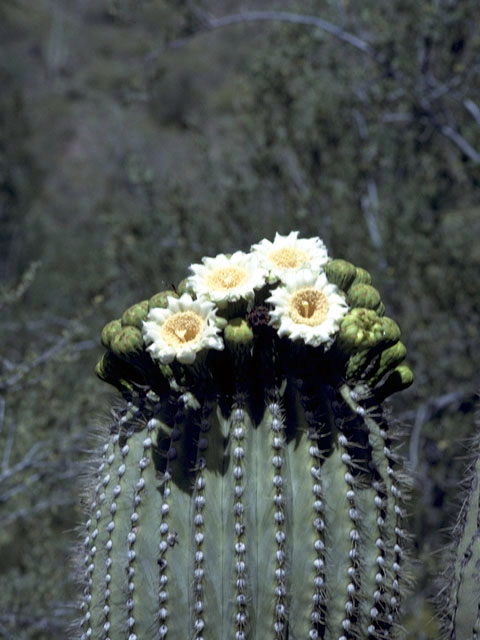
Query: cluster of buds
x=288, y=289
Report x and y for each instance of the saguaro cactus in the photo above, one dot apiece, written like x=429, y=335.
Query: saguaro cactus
x=459, y=599
x=248, y=487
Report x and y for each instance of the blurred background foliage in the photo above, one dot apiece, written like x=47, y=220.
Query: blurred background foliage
x=137, y=136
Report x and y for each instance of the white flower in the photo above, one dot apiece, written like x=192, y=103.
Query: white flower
x=307, y=308
x=181, y=330
x=287, y=254
x=227, y=279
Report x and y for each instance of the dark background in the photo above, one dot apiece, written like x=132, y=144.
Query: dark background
x=136, y=138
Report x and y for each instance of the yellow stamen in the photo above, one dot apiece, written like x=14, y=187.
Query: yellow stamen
x=225, y=278
x=308, y=306
x=288, y=257
x=182, y=327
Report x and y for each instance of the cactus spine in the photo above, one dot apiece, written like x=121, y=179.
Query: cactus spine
x=248, y=488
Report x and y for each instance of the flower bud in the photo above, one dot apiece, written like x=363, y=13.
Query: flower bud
x=160, y=299
x=109, y=331
x=127, y=343
x=341, y=273
x=363, y=295
x=135, y=315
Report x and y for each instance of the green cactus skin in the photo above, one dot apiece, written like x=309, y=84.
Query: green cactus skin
x=459, y=604
x=253, y=495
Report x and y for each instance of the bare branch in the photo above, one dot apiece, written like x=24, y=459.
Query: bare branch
x=211, y=23
x=414, y=447
x=24, y=369
x=27, y=461
x=2, y=412
x=15, y=294
x=473, y=109
x=42, y=505
x=369, y=200
x=465, y=147
x=446, y=402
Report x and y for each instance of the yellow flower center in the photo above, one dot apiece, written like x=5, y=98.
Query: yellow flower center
x=288, y=257
x=182, y=327
x=308, y=306
x=226, y=278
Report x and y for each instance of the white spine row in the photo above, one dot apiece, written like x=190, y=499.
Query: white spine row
x=278, y=445
x=198, y=525
x=135, y=522
x=318, y=597
x=399, y=532
x=352, y=571
x=238, y=453
x=379, y=595
x=90, y=545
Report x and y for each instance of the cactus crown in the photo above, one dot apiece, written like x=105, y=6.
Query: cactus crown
x=248, y=487
x=288, y=288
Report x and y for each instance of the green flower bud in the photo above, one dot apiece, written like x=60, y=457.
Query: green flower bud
x=361, y=329
x=135, y=315
x=390, y=330
x=238, y=332
x=341, y=273
x=362, y=276
x=160, y=299
x=363, y=295
x=238, y=337
x=128, y=343
x=390, y=358
x=109, y=331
